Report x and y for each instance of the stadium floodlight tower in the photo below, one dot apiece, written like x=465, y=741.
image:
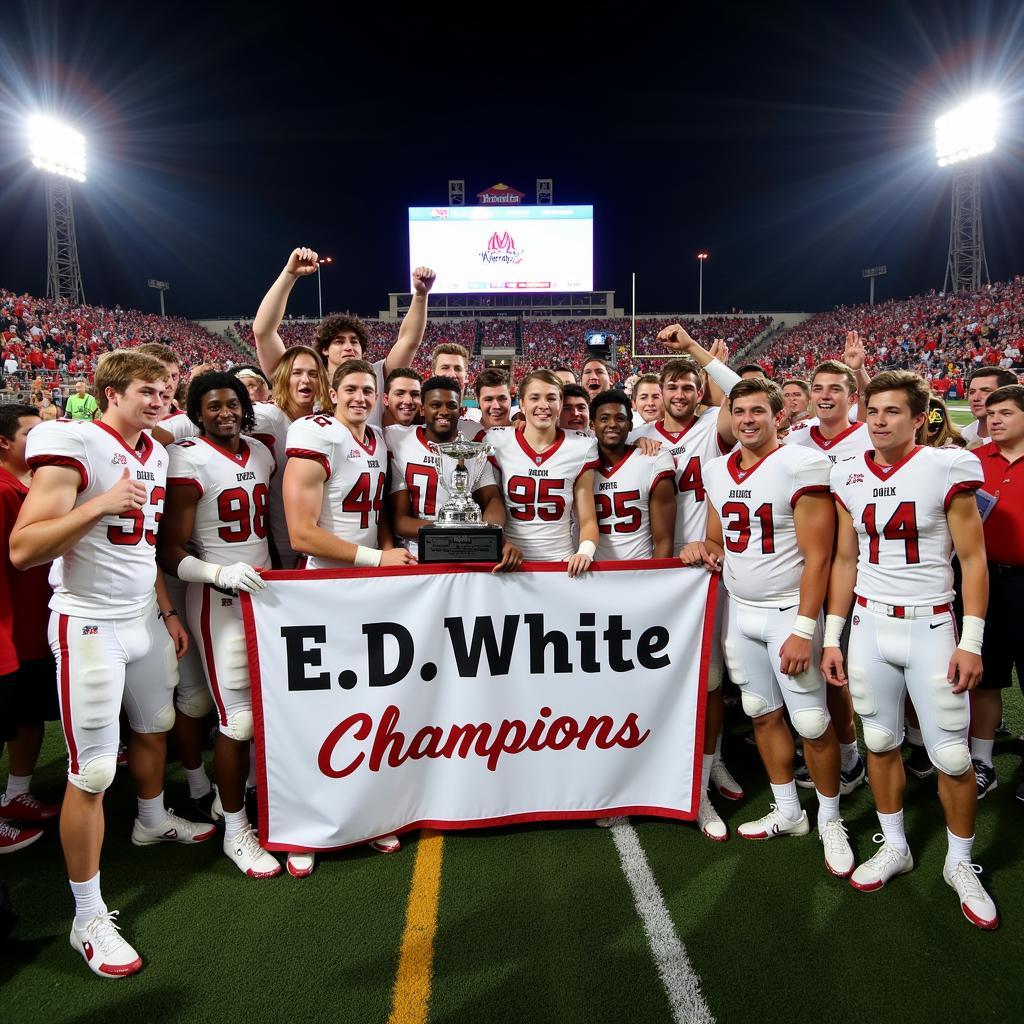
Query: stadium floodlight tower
x=59, y=150
x=962, y=136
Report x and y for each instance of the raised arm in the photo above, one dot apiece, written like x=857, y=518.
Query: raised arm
x=410, y=334
x=853, y=357
x=269, y=347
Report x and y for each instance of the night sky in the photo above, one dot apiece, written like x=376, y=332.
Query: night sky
x=793, y=141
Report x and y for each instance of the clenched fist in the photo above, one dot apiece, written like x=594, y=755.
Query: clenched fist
x=675, y=338
x=302, y=262
x=423, y=279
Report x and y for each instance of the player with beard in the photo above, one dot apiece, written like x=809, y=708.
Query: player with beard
x=903, y=509
x=339, y=338
x=575, y=408
x=494, y=396
x=214, y=537
x=420, y=476
x=402, y=397
x=596, y=376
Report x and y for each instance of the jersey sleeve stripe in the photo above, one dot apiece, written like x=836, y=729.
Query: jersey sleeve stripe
x=666, y=475
x=815, y=489
x=722, y=446
x=839, y=501
x=61, y=460
x=305, y=453
x=185, y=481
x=965, y=485
x=594, y=464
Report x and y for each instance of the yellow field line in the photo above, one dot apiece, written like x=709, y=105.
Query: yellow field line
x=411, y=996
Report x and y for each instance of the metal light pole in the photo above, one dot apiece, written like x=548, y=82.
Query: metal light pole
x=161, y=287
x=871, y=273
x=701, y=257
x=319, y=290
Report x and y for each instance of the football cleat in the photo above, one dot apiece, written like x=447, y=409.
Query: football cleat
x=886, y=863
x=918, y=762
x=103, y=949
x=26, y=809
x=975, y=903
x=722, y=780
x=802, y=777
x=849, y=780
x=774, y=824
x=984, y=776
x=838, y=855
x=208, y=807
x=386, y=844
x=13, y=838
x=252, y=860
x=710, y=822
x=300, y=865
x=1002, y=729
x=172, y=830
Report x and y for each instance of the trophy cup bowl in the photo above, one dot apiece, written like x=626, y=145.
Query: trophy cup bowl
x=459, y=534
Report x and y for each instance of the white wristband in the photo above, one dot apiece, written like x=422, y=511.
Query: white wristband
x=834, y=626
x=195, y=570
x=588, y=548
x=368, y=557
x=725, y=378
x=804, y=626
x=972, y=635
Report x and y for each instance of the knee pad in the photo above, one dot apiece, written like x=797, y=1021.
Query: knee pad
x=753, y=703
x=878, y=739
x=193, y=702
x=97, y=775
x=810, y=722
x=952, y=758
x=239, y=725
x=162, y=721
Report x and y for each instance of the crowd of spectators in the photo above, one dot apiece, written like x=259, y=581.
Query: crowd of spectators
x=941, y=337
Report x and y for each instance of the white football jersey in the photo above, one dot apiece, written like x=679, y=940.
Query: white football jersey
x=376, y=417
x=851, y=441
x=470, y=429
x=691, y=449
x=272, y=429
x=970, y=432
x=179, y=425
x=622, y=496
x=763, y=562
x=232, y=515
x=538, y=489
x=356, y=473
x=899, y=513
x=111, y=572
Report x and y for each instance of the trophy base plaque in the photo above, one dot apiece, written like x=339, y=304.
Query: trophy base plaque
x=481, y=543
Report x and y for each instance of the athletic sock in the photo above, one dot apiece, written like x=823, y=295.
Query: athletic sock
x=981, y=750
x=718, y=746
x=88, y=901
x=705, y=771
x=958, y=851
x=17, y=785
x=152, y=812
x=198, y=782
x=914, y=736
x=786, y=800
x=250, y=782
x=234, y=822
x=892, y=829
x=849, y=755
x=828, y=809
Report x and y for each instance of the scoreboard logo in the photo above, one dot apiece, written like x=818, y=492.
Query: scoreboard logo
x=501, y=249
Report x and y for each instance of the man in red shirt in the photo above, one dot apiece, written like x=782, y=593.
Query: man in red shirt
x=1002, y=509
x=24, y=651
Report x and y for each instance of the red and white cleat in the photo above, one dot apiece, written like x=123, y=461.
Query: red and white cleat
x=13, y=838
x=250, y=858
x=27, y=810
x=103, y=949
x=300, y=865
x=975, y=902
x=386, y=844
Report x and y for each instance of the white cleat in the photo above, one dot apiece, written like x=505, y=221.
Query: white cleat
x=838, y=855
x=887, y=863
x=722, y=780
x=976, y=904
x=300, y=865
x=252, y=860
x=103, y=949
x=172, y=830
x=774, y=824
x=710, y=822
x=386, y=844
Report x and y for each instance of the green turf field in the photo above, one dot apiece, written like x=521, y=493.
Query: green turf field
x=960, y=413
x=533, y=924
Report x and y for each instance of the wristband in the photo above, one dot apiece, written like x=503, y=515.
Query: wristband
x=167, y=614
x=972, y=635
x=834, y=626
x=725, y=378
x=368, y=557
x=588, y=548
x=195, y=570
x=804, y=627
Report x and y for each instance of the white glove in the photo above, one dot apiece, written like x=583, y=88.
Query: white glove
x=240, y=577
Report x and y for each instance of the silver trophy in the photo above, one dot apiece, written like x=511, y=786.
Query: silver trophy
x=459, y=534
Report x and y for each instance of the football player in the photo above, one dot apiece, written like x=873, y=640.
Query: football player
x=596, y=376
x=452, y=361
x=903, y=509
x=95, y=500
x=647, y=407
x=255, y=381
x=796, y=396
x=575, y=408
x=494, y=396
x=402, y=396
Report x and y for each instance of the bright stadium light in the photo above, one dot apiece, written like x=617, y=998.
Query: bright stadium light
x=57, y=147
x=967, y=131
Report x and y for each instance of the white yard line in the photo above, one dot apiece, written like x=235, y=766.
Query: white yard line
x=677, y=974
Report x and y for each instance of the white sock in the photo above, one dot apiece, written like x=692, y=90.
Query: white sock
x=958, y=851
x=198, y=782
x=848, y=754
x=786, y=800
x=17, y=785
x=705, y=771
x=718, y=747
x=828, y=809
x=152, y=812
x=892, y=829
x=981, y=750
x=250, y=782
x=235, y=822
x=914, y=736
x=88, y=901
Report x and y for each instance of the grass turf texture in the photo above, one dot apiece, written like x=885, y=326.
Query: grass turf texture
x=535, y=924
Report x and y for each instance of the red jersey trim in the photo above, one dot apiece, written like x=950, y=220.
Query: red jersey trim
x=185, y=481
x=61, y=460
x=305, y=453
x=814, y=489
x=825, y=443
x=147, y=446
x=869, y=458
x=241, y=459
x=966, y=485
x=370, y=449
x=596, y=464
x=536, y=457
x=675, y=436
x=664, y=475
x=733, y=465
x=839, y=501
x=609, y=471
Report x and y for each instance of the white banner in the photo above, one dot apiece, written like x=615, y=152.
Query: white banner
x=452, y=698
